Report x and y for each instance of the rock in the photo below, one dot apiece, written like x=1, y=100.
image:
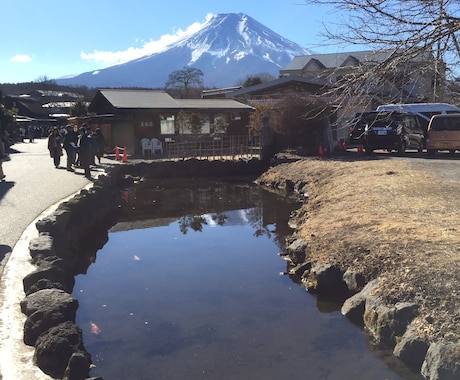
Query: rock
x=326, y=279
x=56, y=223
x=411, y=349
x=297, y=251
x=387, y=322
x=55, y=273
x=55, y=348
x=46, y=309
x=46, y=299
x=42, y=245
x=300, y=269
x=78, y=367
x=354, y=281
x=353, y=308
x=442, y=362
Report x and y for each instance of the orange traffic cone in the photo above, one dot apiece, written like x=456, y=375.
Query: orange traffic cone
x=117, y=153
x=320, y=151
x=125, y=155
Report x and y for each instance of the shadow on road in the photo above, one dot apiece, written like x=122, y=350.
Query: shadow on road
x=5, y=186
x=4, y=249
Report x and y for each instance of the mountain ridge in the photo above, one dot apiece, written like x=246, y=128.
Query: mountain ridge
x=227, y=48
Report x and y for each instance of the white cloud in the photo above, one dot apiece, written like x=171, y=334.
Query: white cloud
x=21, y=58
x=110, y=58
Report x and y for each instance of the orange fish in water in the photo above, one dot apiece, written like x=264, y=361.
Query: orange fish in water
x=95, y=329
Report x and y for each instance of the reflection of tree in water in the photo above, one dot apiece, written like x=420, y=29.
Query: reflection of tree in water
x=194, y=222
x=256, y=221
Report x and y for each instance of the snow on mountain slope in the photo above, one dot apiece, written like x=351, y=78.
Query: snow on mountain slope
x=227, y=48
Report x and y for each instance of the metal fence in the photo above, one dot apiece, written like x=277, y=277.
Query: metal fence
x=228, y=147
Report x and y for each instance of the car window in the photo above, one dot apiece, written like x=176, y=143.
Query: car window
x=445, y=124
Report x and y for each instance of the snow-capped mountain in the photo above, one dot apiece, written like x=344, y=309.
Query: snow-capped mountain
x=227, y=49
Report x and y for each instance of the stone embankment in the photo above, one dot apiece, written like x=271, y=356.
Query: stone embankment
x=335, y=266
x=67, y=244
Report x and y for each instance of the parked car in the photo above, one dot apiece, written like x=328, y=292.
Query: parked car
x=423, y=111
x=443, y=133
x=390, y=130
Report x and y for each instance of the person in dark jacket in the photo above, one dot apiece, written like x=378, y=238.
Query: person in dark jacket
x=70, y=146
x=84, y=150
x=100, y=144
x=55, y=146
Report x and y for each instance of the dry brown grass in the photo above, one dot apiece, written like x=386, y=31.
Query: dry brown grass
x=385, y=219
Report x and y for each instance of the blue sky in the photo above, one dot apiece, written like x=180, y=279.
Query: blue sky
x=54, y=38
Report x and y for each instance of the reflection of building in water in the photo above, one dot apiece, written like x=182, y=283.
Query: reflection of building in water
x=195, y=203
x=165, y=199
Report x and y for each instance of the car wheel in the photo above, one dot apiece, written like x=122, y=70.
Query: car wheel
x=420, y=147
x=402, y=147
x=431, y=152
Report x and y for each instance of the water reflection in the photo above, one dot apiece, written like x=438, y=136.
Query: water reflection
x=188, y=287
x=199, y=202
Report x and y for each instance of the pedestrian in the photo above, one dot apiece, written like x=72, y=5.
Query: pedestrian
x=55, y=146
x=100, y=144
x=84, y=149
x=70, y=146
x=2, y=155
x=31, y=132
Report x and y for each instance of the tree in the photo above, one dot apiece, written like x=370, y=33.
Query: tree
x=252, y=80
x=187, y=121
x=195, y=123
x=423, y=31
x=256, y=118
x=301, y=119
x=220, y=124
x=79, y=109
x=184, y=80
x=9, y=129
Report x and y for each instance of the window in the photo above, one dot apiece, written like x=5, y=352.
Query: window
x=167, y=125
x=236, y=116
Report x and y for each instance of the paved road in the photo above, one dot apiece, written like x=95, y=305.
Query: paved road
x=442, y=164
x=32, y=185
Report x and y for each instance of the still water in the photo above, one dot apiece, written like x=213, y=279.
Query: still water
x=188, y=286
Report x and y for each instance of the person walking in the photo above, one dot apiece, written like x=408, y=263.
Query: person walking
x=100, y=144
x=70, y=146
x=84, y=150
x=55, y=146
x=2, y=154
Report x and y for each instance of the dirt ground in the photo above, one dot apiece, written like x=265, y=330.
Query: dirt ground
x=385, y=219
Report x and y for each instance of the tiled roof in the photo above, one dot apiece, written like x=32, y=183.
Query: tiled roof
x=334, y=60
x=151, y=99
x=277, y=82
x=138, y=99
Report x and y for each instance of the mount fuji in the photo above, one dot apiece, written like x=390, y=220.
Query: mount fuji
x=227, y=49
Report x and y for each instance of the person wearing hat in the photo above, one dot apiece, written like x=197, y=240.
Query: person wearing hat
x=55, y=146
x=84, y=150
x=70, y=146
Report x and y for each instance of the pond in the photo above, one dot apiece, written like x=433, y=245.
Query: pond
x=189, y=286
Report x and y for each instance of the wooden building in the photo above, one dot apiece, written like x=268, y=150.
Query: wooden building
x=128, y=116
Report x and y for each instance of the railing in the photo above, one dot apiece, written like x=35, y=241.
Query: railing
x=228, y=147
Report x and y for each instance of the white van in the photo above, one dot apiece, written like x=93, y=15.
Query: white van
x=423, y=110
